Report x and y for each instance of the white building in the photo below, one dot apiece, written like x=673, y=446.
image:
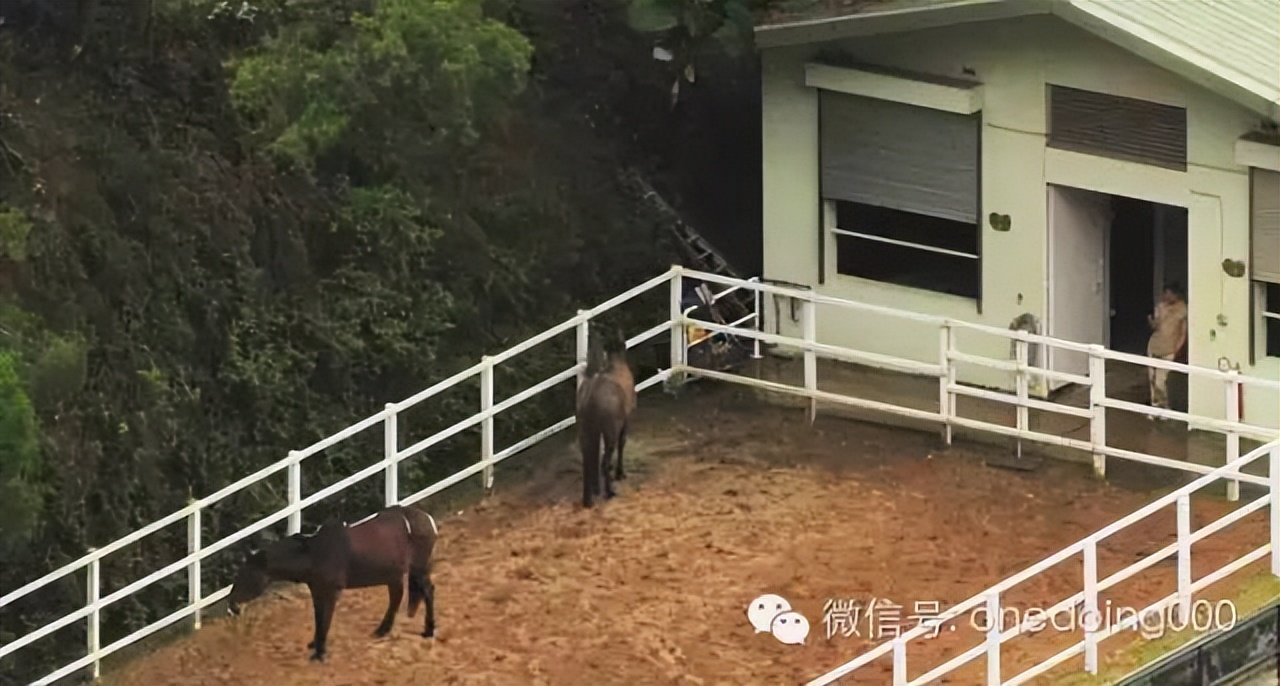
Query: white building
x=981, y=159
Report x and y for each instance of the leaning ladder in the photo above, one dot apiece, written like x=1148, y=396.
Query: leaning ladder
x=699, y=254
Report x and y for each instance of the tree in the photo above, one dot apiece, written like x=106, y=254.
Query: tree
x=404, y=89
x=19, y=456
x=687, y=27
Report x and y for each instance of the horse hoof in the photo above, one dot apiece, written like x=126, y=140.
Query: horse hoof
x=381, y=633
x=620, y=476
x=317, y=657
x=429, y=633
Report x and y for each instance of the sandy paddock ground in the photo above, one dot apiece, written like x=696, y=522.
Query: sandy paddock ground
x=728, y=499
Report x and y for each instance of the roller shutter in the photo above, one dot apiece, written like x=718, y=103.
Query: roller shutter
x=899, y=156
x=1265, y=223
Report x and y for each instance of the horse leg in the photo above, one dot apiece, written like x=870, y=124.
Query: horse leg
x=323, y=601
x=589, y=442
x=395, y=593
x=316, y=604
x=622, y=443
x=429, y=598
x=605, y=472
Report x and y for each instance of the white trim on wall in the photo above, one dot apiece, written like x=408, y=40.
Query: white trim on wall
x=1255, y=154
x=957, y=99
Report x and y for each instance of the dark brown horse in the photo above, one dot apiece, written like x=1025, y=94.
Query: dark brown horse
x=379, y=552
x=606, y=399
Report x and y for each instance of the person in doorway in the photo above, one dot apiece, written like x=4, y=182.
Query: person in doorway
x=1168, y=338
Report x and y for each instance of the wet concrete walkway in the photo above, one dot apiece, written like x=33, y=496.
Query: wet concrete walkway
x=1125, y=430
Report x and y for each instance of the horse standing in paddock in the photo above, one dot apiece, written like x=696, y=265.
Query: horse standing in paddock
x=606, y=399
x=395, y=543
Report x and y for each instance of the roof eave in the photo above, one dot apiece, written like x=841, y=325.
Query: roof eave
x=1259, y=102
x=941, y=14
x=894, y=20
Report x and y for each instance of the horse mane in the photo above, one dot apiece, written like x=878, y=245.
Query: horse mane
x=604, y=357
x=597, y=359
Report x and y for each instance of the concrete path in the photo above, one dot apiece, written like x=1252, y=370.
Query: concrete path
x=1264, y=677
x=1125, y=430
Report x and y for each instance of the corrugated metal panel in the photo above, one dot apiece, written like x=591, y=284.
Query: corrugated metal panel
x=904, y=157
x=1236, y=40
x=1113, y=126
x=1266, y=225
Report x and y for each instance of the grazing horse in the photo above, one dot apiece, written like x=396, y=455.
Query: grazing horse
x=606, y=399
x=379, y=552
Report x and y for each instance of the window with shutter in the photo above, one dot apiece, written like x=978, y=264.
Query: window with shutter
x=1117, y=127
x=900, y=185
x=1264, y=210
x=1264, y=229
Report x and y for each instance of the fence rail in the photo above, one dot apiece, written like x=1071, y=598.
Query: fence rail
x=677, y=318
x=1092, y=586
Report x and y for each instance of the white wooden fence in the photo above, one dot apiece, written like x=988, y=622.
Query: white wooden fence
x=749, y=327
x=1094, y=633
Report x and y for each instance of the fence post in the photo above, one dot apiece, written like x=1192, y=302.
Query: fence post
x=1184, y=558
x=995, y=626
x=1090, y=606
x=756, y=297
x=678, y=350
x=1020, y=385
x=583, y=346
x=1275, y=508
x=809, y=322
x=1233, y=438
x=295, y=491
x=944, y=378
x=194, y=588
x=486, y=425
x=91, y=595
x=1097, y=400
x=390, y=447
x=899, y=662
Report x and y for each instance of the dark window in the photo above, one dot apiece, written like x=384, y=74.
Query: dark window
x=907, y=249
x=1271, y=319
x=1118, y=127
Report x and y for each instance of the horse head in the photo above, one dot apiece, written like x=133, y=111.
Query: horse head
x=251, y=580
x=267, y=559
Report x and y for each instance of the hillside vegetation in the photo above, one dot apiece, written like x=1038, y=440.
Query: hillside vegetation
x=230, y=228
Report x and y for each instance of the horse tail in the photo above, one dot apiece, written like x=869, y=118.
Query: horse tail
x=422, y=540
x=589, y=435
x=417, y=588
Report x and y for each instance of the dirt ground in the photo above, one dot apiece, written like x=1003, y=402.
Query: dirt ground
x=729, y=498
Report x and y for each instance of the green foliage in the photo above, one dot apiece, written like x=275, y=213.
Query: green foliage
x=58, y=372
x=14, y=229
x=19, y=455
x=653, y=15
x=690, y=29
x=415, y=79
x=223, y=265
x=728, y=22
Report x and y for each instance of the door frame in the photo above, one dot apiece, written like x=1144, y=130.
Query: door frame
x=1051, y=353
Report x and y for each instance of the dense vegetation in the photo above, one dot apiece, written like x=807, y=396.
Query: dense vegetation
x=229, y=228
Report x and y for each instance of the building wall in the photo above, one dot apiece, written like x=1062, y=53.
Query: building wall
x=1014, y=59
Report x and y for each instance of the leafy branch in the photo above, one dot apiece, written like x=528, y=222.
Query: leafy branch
x=687, y=27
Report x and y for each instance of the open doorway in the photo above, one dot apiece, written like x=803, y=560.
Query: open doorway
x=1109, y=259
x=1148, y=250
